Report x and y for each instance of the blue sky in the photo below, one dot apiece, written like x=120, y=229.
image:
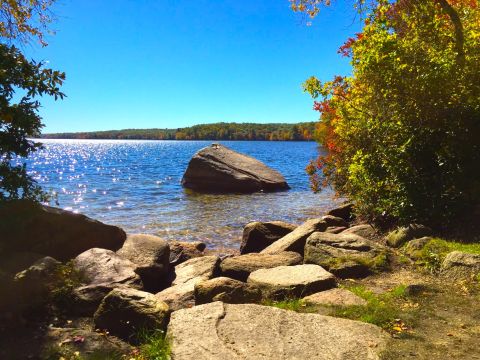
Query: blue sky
x=175, y=63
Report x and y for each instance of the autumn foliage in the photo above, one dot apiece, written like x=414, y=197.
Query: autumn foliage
x=403, y=131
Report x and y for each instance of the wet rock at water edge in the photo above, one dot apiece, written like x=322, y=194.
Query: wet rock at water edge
x=258, y=235
x=218, y=169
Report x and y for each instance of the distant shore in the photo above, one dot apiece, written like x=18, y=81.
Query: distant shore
x=212, y=132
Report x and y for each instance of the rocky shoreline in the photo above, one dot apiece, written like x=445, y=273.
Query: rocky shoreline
x=90, y=288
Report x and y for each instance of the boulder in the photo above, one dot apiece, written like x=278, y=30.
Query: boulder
x=291, y=281
x=346, y=256
x=182, y=251
x=413, y=248
x=461, y=266
x=258, y=235
x=102, y=270
x=364, y=230
x=344, y=211
x=31, y=227
x=219, y=331
x=75, y=343
x=335, y=229
x=401, y=235
x=187, y=275
x=295, y=241
x=239, y=267
x=151, y=255
x=226, y=290
x=218, y=169
x=334, y=221
x=125, y=312
x=335, y=297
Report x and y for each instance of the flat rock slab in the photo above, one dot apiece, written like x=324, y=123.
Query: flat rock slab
x=345, y=255
x=295, y=241
x=240, y=267
x=219, y=331
x=292, y=281
x=335, y=297
x=188, y=274
x=218, y=169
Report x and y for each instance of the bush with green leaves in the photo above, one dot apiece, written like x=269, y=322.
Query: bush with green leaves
x=403, y=131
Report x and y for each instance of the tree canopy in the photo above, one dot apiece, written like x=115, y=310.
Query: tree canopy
x=403, y=132
x=22, y=83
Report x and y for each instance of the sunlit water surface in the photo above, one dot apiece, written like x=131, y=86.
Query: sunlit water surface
x=136, y=185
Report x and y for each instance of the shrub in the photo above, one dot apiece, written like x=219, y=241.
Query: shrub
x=403, y=132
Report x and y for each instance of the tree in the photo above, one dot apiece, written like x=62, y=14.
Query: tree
x=403, y=132
x=22, y=82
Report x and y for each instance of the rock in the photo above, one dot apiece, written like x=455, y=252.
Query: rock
x=187, y=274
x=334, y=221
x=125, y=312
x=32, y=286
x=102, y=270
x=219, y=169
x=18, y=261
x=63, y=343
x=461, y=266
x=413, y=248
x=219, y=331
x=346, y=256
x=364, y=230
x=226, y=290
x=239, y=267
x=31, y=227
x=151, y=255
x=258, y=235
x=183, y=251
x=291, y=281
x=335, y=297
x=335, y=229
x=401, y=235
x=344, y=211
x=295, y=241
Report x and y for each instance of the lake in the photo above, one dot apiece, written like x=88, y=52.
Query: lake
x=136, y=185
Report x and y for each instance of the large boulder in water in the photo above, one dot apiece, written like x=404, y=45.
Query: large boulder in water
x=218, y=169
x=27, y=226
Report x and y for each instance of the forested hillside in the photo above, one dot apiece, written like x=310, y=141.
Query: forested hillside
x=218, y=131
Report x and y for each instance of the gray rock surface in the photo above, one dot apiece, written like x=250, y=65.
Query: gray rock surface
x=461, y=266
x=125, y=312
x=347, y=256
x=219, y=169
x=181, y=251
x=218, y=331
x=239, y=267
x=401, y=235
x=151, y=255
x=295, y=241
x=335, y=229
x=364, y=230
x=63, y=341
x=344, y=211
x=413, y=248
x=187, y=275
x=103, y=270
x=258, y=235
x=336, y=297
x=291, y=281
x=334, y=221
x=35, y=228
x=226, y=290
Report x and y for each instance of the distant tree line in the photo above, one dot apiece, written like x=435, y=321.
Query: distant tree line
x=219, y=131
